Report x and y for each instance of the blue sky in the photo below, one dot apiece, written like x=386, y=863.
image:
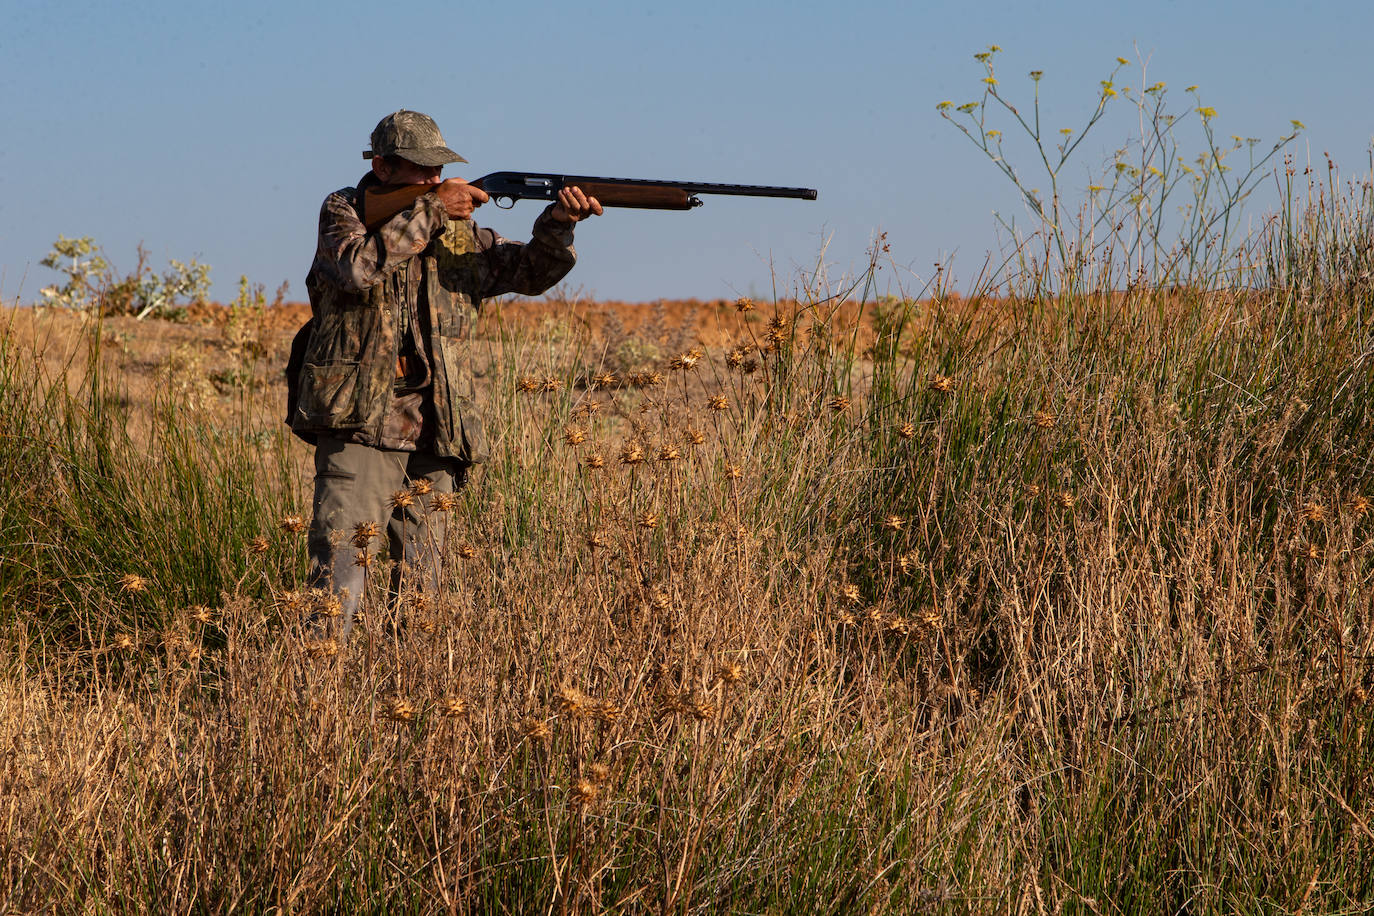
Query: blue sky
x=214, y=130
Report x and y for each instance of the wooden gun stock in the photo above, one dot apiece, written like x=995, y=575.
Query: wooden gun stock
x=382, y=203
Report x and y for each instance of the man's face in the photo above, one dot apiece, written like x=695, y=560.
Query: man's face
x=395, y=170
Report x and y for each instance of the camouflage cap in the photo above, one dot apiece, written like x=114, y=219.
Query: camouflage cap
x=412, y=136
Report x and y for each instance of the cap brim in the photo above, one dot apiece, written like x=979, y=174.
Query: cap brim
x=431, y=156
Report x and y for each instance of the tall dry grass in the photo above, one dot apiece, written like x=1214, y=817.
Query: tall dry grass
x=1034, y=604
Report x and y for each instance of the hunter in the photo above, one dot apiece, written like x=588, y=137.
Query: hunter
x=381, y=380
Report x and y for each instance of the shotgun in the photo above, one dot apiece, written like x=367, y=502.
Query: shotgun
x=381, y=203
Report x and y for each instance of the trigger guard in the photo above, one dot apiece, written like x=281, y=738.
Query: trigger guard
x=509, y=202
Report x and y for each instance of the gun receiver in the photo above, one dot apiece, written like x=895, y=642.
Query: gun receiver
x=381, y=204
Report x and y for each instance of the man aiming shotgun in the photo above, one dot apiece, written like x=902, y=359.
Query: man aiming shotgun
x=380, y=380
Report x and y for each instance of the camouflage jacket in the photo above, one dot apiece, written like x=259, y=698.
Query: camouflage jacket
x=365, y=287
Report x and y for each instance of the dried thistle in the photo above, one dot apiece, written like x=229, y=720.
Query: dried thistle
x=533, y=729
x=402, y=499
x=363, y=533
x=124, y=642
x=1044, y=419
x=1314, y=512
x=328, y=604
x=551, y=383
x=632, y=453
x=321, y=648
x=598, y=540
x=133, y=583
x=595, y=461
x=838, y=404
x=444, y=502
x=718, y=402
x=906, y=430
x=744, y=304
x=894, y=522
x=648, y=520
x=941, y=383
x=669, y=453
x=850, y=591
x=582, y=793
x=398, y=710
x=574, y=435
x=258, y=546
x=453, y=707
x=605, y=711
x=363, y=559
x=702, y=711
x=685, y=361
x=527, y=384
x=733, y=471
x=598, y=773
x=1359, y=506
x=660, y=600
x=605, y=380
x=466, y=551
x=730, y=674
x=1066, y=499
x=202, y=614
x=421, y=486
x=292, y=524
x=694, y=436
x=572, y=703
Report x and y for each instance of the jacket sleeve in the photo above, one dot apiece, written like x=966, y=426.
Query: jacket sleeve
x=527, y=269
x=350, y=258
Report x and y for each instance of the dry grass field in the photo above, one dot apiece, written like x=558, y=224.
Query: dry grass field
x=1053, y=602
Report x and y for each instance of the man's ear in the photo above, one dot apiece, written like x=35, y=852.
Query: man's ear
x=381, y=169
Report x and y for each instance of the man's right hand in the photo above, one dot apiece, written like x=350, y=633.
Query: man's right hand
x=460, y=198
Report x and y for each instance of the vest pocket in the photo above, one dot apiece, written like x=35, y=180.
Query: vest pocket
x=329, y=393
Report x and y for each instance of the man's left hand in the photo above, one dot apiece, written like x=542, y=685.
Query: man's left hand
x=573, y=205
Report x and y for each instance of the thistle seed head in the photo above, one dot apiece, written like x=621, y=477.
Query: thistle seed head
x=363, y=533
x=838, y=404
x=398, y=710
x=321, y=648
x=582, y=793
x=551, y=383
x=527, y=384
x=533, y=729
x=133, y=583
x=292, y=524
x=453, y=706
x=402, y=499
x=744, y=304
x=572, y=703
x=941, y=383
x=1359, y=506
x=906, y=430
x=444, y=502
x=595, y=461
x=258, y=546
x=574, y=435
x=1044, y=419
x=632, y=453
x=718, y=402
x=421, y=486
x=1314, y=512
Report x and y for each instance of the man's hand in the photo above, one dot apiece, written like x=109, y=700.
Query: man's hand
x=573, y=205
x=460, y=198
